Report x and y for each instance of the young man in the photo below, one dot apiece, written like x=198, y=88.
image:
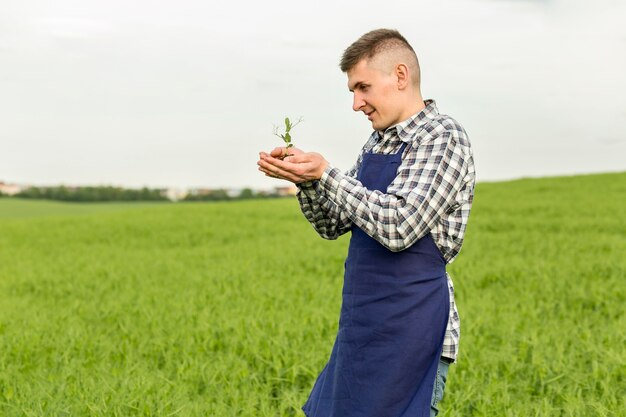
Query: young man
x=407, y=202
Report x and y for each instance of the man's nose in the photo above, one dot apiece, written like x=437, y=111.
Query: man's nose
x=357, y=102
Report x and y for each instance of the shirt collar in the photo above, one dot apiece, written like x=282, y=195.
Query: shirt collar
x=406, y=129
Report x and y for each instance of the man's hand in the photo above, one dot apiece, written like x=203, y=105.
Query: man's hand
x=283, y=152
x=297, y=167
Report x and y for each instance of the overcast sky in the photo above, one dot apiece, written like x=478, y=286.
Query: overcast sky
x=186, y=93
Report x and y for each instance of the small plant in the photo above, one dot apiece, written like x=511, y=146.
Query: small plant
x=286, y=137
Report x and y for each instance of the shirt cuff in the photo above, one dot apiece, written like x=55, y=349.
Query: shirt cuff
x=330, y=181
x=308, y=185
x=308, y=189
x=337, y=186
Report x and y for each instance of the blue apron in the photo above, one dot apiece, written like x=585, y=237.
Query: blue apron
x=393, y=319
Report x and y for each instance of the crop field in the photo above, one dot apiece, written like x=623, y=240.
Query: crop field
x=230, y=309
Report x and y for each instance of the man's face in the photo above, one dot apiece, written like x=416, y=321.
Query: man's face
x=375, y=94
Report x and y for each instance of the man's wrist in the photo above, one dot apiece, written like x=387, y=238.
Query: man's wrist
x=323, y=167
x=307, y=185
x=329, y=181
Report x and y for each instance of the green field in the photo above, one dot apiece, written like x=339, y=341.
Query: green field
x=230, y=309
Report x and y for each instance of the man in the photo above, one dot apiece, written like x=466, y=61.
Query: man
x=407, y=202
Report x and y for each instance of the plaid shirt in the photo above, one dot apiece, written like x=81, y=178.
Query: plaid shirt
x=432, y=193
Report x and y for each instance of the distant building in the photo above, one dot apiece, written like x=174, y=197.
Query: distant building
x=10, y=189
x=286, y=191
x=200, y=191
x=233, y=192
x=174, y=194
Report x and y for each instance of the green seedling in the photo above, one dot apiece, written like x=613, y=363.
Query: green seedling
x=286, y=137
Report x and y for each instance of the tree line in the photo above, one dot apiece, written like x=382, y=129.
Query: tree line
x=110, y=193
x=85, y=194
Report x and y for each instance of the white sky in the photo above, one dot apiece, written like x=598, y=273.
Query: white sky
x=185, y=93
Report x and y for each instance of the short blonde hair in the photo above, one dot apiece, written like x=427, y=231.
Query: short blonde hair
x=380, y=42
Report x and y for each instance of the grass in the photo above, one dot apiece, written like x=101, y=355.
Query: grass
x=230, y=309
x=11, y=208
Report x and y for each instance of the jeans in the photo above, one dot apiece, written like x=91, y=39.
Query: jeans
x=440, y=385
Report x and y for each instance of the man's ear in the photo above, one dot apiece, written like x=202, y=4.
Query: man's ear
x=402, y=73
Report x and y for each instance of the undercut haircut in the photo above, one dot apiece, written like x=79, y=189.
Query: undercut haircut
x=377, y=42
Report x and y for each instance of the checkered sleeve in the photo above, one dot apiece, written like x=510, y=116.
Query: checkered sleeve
x=433, y=171
x=324, y=215
x=453, y=329
x=328, y=220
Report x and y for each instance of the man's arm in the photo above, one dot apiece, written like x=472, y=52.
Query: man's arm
x=325, y=217
x=424, y=189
